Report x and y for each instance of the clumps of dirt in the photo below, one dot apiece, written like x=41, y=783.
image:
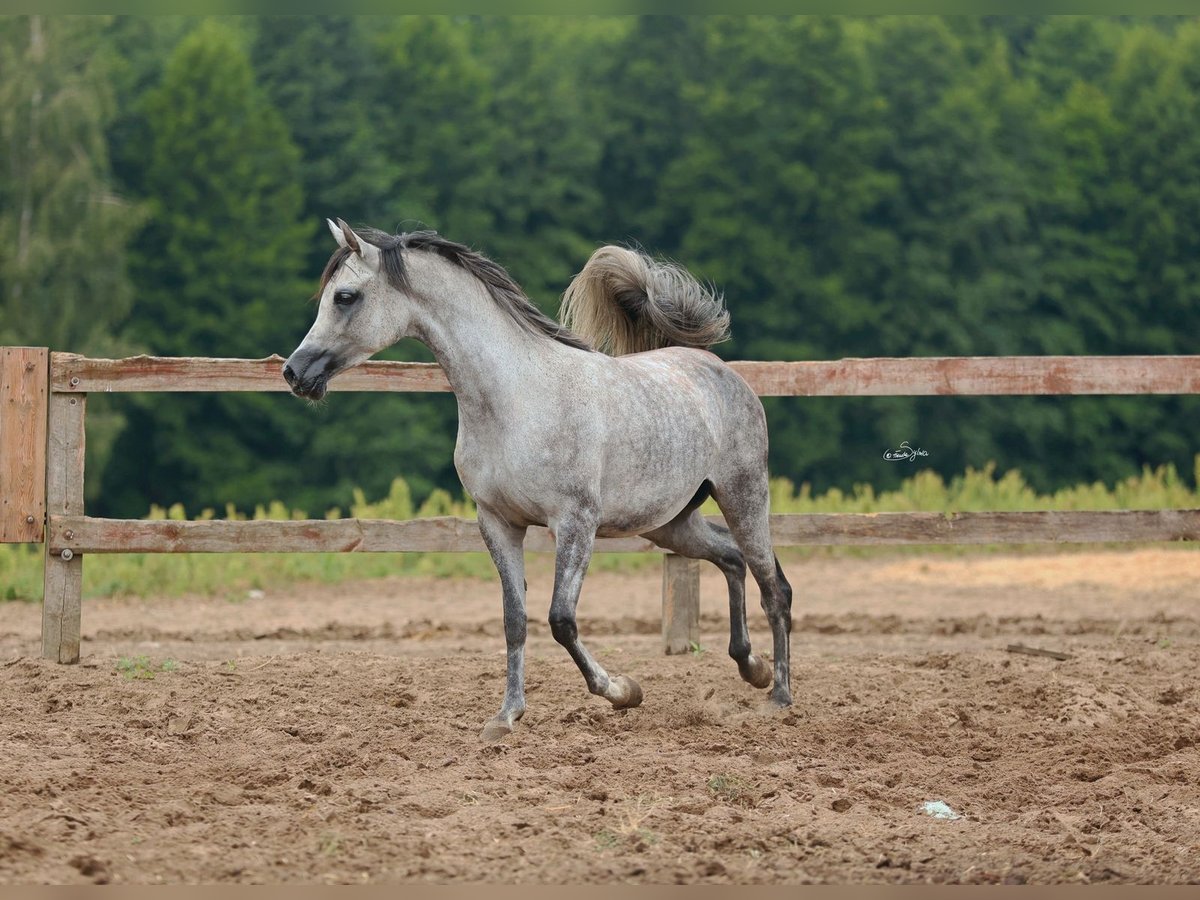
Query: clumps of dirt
x=298, y=750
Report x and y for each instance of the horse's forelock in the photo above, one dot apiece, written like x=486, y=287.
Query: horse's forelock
x=335, y=262
x=389, y=247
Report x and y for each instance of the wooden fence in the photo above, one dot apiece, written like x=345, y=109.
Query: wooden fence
x=43, y=401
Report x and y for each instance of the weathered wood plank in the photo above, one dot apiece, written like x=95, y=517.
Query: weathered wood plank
x=975, y=376
x=680, y=603
x=82, y=534
x=918, y=376
x=1039, y=527
x=439, y=534
x=63, y=578
x=71, y=373
x=23, y=398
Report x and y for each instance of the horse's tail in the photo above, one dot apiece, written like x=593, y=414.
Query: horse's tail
x=625, y=302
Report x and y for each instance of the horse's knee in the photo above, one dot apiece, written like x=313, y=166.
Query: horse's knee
x=563, y=627
x=515, y=629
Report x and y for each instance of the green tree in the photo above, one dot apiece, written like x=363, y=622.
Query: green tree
x=646, y=79
x=539, y=213
x=217, y=266
x=136, y=49
x=63, y=229
x=223, y=248
x=321, y=73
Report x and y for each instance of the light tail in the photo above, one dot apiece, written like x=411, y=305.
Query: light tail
x=625, y=302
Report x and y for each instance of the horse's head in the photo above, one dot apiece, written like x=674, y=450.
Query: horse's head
x=355, y=319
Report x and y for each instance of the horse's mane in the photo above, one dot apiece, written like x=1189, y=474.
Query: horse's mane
x=499, y=284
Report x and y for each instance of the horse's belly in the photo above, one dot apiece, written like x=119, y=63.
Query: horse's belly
x=620, y=530
x=619, y=525
x=639, y=511
x=651, y=485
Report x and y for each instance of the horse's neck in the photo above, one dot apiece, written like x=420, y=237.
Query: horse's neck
x=486, y=355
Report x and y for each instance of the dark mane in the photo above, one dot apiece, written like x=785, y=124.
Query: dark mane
x=499, y=284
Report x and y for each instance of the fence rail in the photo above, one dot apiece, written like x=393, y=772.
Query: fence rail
x=878, y=377
x=81, y=534
x=43, y=402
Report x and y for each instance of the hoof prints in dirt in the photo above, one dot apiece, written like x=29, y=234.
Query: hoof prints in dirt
x=328, y=766
x=846, y=624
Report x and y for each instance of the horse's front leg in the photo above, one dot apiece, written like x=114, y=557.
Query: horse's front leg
x=574, y=542
x=506, y=542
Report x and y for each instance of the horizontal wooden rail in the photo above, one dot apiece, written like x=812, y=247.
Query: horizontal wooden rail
x=1033, y=527
x=917, y=376
x=82, y=534
x=72, y=373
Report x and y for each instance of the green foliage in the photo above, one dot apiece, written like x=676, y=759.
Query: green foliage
x=729, y=788
x=319, y=76
x=63, y=230
x=21, y=571
x=222, y=250
x=142, y=668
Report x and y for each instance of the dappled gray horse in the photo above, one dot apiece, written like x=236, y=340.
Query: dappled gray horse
x=616, y=422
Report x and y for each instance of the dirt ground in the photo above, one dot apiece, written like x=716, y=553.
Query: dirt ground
x=331, y=734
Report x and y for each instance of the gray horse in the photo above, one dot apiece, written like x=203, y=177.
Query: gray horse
x=617, y=422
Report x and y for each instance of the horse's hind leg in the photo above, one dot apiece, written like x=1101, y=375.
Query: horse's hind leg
x=574, y=542
x=688, y=534
x=745, y=503
x=506, y=544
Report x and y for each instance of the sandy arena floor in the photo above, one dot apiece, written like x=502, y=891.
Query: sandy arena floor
x=331, y=734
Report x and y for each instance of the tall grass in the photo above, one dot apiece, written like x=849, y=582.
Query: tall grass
x=233, y=574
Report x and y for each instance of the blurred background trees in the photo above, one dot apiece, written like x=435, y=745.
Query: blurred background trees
x=857, y=186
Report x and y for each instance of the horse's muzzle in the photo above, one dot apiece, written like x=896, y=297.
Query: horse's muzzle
x=308, y=374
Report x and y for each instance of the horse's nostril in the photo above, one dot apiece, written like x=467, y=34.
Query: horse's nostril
x=288, y=375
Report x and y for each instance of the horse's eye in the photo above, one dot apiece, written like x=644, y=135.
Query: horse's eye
x=345, y=297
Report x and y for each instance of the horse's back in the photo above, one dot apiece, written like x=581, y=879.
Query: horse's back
x=697, y=380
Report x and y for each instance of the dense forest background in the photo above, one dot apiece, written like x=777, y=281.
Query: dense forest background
x=856, y=186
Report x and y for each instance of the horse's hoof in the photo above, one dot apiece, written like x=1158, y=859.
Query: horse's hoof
x=625, y=693
x=495, y=730
x=776, y=702
x=757, y=672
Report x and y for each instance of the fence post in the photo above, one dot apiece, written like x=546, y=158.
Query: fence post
x=681, y=603
x=61, y=606
x=24, y=372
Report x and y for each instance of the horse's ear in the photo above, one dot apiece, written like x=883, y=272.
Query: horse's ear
x=367, y=251
x=349, y=238
x=336, y=232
